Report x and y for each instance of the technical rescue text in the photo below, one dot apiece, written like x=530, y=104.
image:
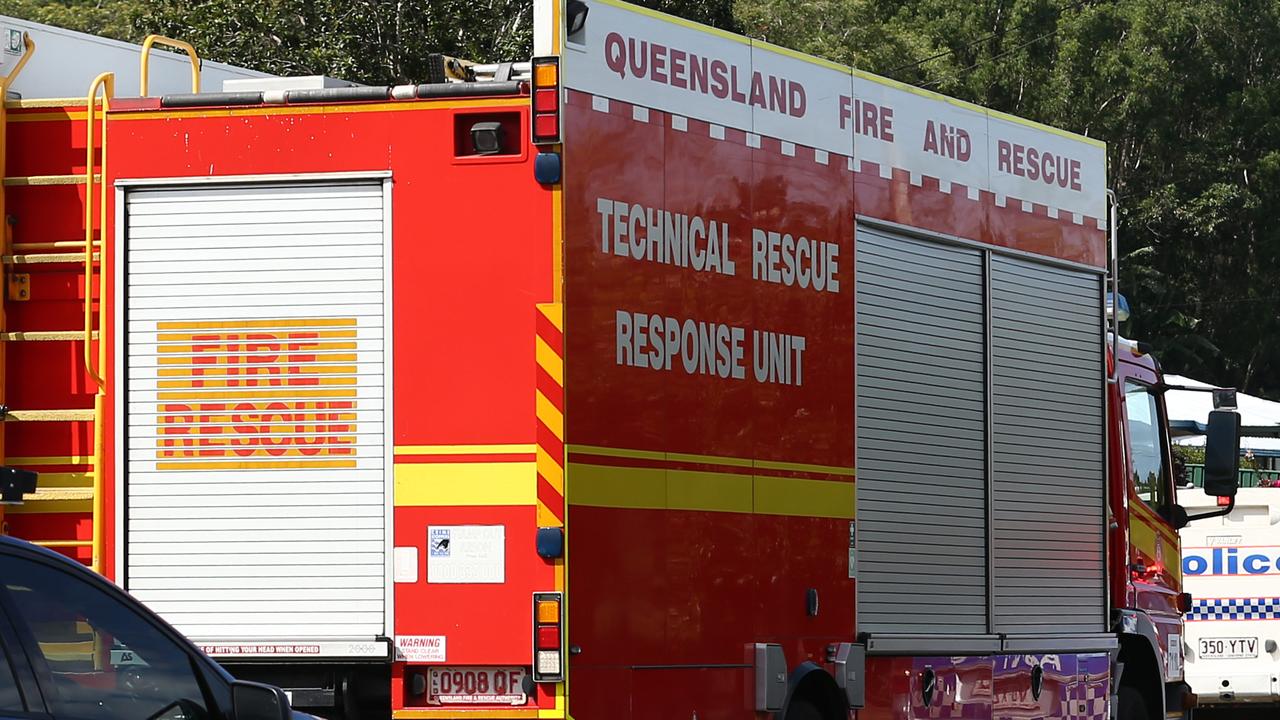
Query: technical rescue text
x=699, y=346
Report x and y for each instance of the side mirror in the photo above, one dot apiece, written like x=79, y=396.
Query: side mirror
x=255, y=701
x=1222, y=454
x=1177, y=516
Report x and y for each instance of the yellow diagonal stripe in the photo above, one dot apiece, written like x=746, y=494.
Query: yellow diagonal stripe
x=553, y=312
x=549, y=415
x=549, y=360
x=551, y=469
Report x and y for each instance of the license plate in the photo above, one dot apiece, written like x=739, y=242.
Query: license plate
x=1228, y=648
x=476, y=686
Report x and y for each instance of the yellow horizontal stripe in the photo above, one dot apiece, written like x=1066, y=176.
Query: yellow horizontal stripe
x=65, y=480
x=238, y=337
x=712, y=460
x=51, y=460
x=804, y=498
x=238, y=394
x=549, y=360
x=258, y=380
x=709, y=460
x=47, y=103
x=41, y=507
x=804, y=467
x=617, y=487
x=457, y=714
x=472, y=484
x=551, y=469
x=68, y=651
x=77, y=179
x=257, y=371
x=1147, y=515
x=234, y=324
x=255, y=464
x=714, y=492
x=49, y=116
x=617, y=452
x=549, y=415
x=658, y=489
x=257, y=347
x=514, y=449
x=387, y=106
x=312, y=356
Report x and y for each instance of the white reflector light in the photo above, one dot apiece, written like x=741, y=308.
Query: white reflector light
x=548, y=662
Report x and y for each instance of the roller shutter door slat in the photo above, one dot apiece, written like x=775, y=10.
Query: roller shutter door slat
x=256, y=426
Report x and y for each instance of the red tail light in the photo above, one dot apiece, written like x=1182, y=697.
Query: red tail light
x=548, y=619
x=546, y=100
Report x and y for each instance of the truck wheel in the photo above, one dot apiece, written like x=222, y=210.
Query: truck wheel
x=803, y=710
x=1133, y=705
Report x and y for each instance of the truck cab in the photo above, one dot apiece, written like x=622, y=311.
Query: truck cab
x=1148, y=597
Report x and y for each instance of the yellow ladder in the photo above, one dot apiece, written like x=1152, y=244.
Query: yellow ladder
x=62, y=487
x=92, y=252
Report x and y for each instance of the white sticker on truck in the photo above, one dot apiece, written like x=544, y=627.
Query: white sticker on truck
x=466, y=554
x=420, y=648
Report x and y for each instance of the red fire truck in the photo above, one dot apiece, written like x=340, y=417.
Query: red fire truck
x=670, y=375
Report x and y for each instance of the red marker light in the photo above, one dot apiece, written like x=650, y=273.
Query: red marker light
x=549, y=637
x=546, y=101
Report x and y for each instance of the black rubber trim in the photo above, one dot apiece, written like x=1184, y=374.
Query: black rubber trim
x=211, y=99
x=346, y=94
x=468, y=89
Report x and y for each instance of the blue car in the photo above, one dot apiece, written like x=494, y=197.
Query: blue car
x=73, y=646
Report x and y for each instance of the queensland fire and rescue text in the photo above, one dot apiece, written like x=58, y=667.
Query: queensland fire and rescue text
x=700, y=347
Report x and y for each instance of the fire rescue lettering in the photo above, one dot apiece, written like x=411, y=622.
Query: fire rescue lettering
x=256, y=394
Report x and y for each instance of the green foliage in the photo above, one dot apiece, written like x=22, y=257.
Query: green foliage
x=99, y=17
x=1185, y=92
x=371, y=41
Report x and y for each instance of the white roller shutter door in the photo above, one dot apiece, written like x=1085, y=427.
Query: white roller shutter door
x=256, y=410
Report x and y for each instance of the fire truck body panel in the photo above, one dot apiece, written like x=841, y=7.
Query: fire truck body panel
x=793, y=364
x=472, y=466
x=677, y=461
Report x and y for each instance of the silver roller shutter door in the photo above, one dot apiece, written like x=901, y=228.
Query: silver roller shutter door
x=256, y=412
x=1049, y=476
x=920, y=437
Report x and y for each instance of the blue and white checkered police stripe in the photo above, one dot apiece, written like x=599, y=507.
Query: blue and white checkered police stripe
x=1235, y=609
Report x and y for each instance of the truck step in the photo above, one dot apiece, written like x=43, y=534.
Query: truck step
x=55, y=245
x=71, y=415
x=62, y=543
x=45, y=335
x=72, y=179
x=46, y=258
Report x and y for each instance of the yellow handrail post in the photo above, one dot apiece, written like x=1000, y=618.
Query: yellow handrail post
x=105, y=81
x=144, y=70
x=29, y=49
